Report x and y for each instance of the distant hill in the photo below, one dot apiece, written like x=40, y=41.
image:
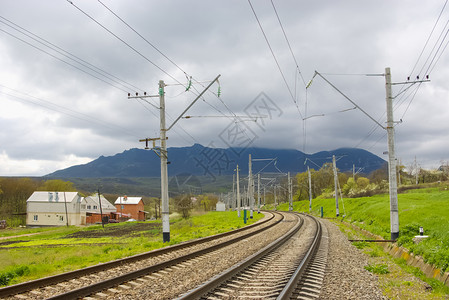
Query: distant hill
x=213, y=162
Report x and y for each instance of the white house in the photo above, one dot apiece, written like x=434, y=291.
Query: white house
x=220, y=206
x=93, y=205
x=56, y=209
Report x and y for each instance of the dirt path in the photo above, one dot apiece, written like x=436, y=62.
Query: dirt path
x=15, y=236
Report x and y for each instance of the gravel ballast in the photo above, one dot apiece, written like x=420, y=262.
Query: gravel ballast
x=345, y=276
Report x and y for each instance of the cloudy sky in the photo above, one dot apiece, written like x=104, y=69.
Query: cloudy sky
x=66, y=68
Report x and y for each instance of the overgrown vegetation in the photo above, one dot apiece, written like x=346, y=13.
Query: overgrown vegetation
x=428, y=208
x=396, y=278
x=377, y=269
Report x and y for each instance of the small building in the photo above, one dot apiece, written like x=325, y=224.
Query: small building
x=94, y=210
x=220, y=206
x=56, y=209
x=132, y=206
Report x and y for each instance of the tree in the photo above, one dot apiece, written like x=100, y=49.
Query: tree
x=15, y=192
x=183, y=205
x=57, y=185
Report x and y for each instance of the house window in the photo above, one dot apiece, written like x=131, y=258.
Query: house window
x=83, y=206
x=35, y=218
x=88, y=207
x=95, y=207
x=123, y=206
x=61, y=218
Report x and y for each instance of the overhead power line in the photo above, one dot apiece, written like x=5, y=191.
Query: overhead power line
x=275, y=59
x=141, y=36
x=72, y=57
x=288, y=42
x=123, y=41
x=22, y=97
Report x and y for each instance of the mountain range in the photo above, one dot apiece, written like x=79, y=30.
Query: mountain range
x=212, y=162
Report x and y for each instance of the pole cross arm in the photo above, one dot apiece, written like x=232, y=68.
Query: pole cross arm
x=347, y=98
x=191, y=104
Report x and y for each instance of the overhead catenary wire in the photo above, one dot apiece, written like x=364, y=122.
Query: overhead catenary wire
x=141, y=36
x=288, y=43
x=140, y=54
x=275, y=59
x=78, y=60
x=123, y=41
x=428, y=38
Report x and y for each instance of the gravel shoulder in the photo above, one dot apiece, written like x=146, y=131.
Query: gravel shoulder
x=346, y=277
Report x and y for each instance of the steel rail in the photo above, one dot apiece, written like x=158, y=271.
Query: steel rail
x=291, y=285
x=30, y=285
x=108, y=283
x=216, y=281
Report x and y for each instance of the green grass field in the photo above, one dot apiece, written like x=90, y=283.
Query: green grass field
x=428, y=208
x=60, y=249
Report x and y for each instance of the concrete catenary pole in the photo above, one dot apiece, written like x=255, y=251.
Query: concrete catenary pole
x=164, y=169
x=264, y=194
x=336, y=185
x=275, y=200
x=233, y=204
x=250, y=188
x=238, y=192
x=290, y=193
x=310, y=190
x=394, y=212
x=258, y=193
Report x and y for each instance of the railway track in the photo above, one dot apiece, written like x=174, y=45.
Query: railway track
x=282, y=269
x=288, y=268
x=50, y=286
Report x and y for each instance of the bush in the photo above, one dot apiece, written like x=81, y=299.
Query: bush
x=377, y=269
x=6, y=277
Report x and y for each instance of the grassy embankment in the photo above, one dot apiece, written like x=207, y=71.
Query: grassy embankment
x=428, y=208
x=61, y=249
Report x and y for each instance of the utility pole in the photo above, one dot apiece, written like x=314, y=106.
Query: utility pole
x=258, y=193
x=101, y=209
x=416, y=171
x=238, y=192
x=310, y=190
x=264, y=194
x=290, y=191
x=250, y=188
x=164, y=168
x=275, y=200
x=66, y=213
x=394, y=212
x=336, y=184
x=233, y=192
x=165, y=214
